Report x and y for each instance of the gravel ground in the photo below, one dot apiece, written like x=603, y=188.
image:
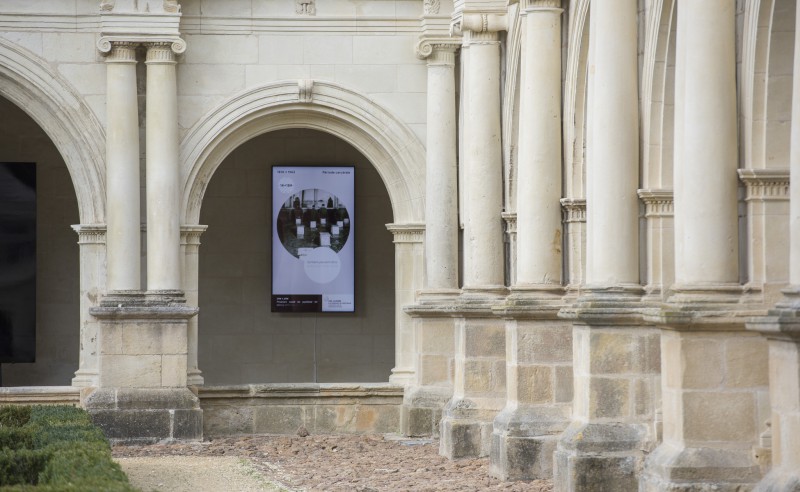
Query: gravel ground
x=317, y=462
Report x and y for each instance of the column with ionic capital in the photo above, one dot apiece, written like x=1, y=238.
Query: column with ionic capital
x=616, y=365
x=539, y=345
x=714, y=372
x=432, y=385
x=479, y=389
x=122, y=169
x=163, y=173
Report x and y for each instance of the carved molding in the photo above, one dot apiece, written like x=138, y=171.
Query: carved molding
x=90, y=233
x=510, y=220
x=305, y=7
x=533, y=5
x=657, y=203
x=163, y=53
x=121, y=52
x=573, y=209
x=175, y=44
x=305, y=90
x=141, y=6
x=765, y=184
x=407, y=233
x=190, y=234
x=430, y=7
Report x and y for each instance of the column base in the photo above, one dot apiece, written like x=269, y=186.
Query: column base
x=466, y=429
x=195, y=378
x=524, y=440
x=595, y=457
x=145, y=415
x=673, y=469
x=402, y=377
x=422, y=410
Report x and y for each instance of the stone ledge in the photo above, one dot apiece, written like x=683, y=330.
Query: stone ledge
x=40, y=395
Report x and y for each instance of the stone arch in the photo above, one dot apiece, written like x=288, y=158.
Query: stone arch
x=575, y=89
x=387, y=142
x=767, y=65
x=658, y=81
x=59, y=110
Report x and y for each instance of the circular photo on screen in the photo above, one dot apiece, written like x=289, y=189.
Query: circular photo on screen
x=310, y=219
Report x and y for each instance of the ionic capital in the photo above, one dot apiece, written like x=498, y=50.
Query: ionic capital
x=164, y=52
x=480, y=28
x=438, y=51
x=118, y=51
x=533, y=6
x=407, y=233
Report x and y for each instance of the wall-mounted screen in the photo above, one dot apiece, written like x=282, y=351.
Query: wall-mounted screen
x=17, y=262
x=313, y=240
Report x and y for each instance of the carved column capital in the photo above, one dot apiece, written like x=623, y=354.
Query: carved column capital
x=765, y=184
x=160, y=52
x=90, y=233
x=574, y=209
x=480, y=27
x=113, y=45
x=528, y=6
x=118, y=51
x=438, y=51
x=657, y=203
x=407, y=233
x=190, y=234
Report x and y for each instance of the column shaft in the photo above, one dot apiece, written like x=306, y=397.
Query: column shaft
x=706, y=246
x=441, y=205
x=163, y=205
x=122, y=170
x=612, y=174
x=539, y=172
x=483, y=228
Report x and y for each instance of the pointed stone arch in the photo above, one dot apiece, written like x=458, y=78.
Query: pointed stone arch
x=32, y=85
x=387, y=142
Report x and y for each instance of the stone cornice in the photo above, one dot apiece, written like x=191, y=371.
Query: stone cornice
x=90, y=233
x=573, y=209
x=407, y=233
x=658, y=203
x=765, y=184
x=438, y=51
x=480, y=27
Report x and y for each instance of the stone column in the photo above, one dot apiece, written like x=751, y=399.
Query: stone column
x=658, y=211
x=782, y=329
x=408, y=268
x=190, y=246
x=615, y=356
x=538, y=344
x=163, y=173
x=123, y=234
x=573, y=211
x=433, y=324
x=92, y=244
x=479, y=382
x=714, y=373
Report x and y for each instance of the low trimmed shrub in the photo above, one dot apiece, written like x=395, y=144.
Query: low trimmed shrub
x=55, y=448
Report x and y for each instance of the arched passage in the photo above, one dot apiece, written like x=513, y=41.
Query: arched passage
x=58, y=131
x=383, y=140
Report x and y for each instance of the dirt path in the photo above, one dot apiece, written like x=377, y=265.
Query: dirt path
x=329, y=463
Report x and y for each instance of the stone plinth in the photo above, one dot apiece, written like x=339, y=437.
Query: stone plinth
x=479, y=385
x=713, y=394
x=142, y=394
x=782, y=331
x=434, y=339
x=539, y=384
x=616, y=369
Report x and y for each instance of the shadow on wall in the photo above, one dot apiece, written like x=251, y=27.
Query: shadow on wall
x=240, y=340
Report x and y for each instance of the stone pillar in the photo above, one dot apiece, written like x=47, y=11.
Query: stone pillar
x=92, y=244
x=408, y=268
x=190, y=246
x=163, y=173
x=479, y=389
x=433, y=324
x=573, y=211
x=123, y=234
x=782, y=329
x=616, y=361
x=714, y=373
x=538, y=344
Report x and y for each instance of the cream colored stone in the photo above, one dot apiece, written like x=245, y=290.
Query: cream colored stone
x=173, y=370
x=746, y=362
x=712, y=416
x=121, y=371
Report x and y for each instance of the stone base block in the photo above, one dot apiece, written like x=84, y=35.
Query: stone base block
x=600, y=457
x=465, y=438
x=524, y=440
x=137, y=416
x=670, y=468
x=779, y=480
x=422, y=410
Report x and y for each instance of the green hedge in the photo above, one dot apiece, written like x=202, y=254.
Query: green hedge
x=55, y=448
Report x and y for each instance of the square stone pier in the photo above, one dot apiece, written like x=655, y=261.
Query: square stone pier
x=141, y=393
